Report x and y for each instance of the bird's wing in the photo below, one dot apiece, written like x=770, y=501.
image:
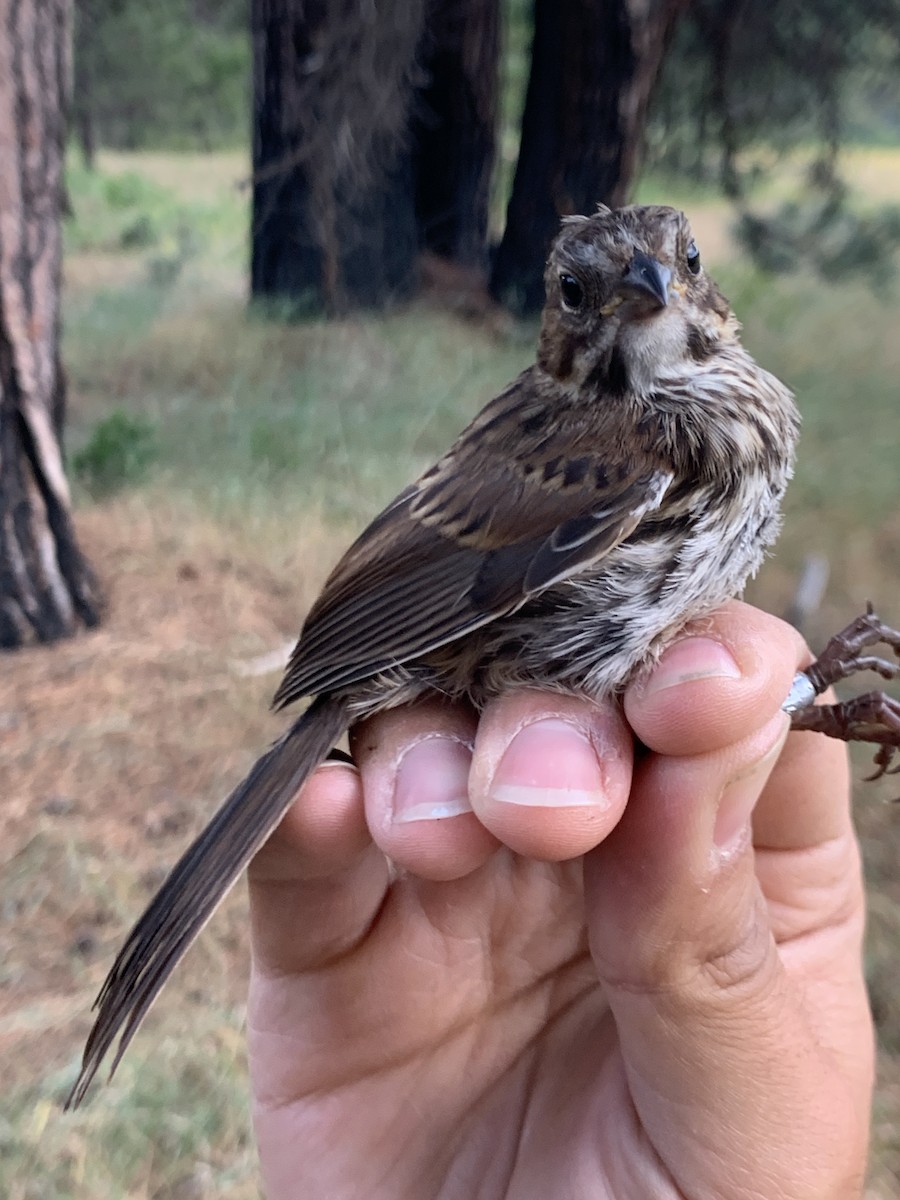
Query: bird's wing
x=519, y=503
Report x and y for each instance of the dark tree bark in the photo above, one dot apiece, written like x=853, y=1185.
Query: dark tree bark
x=593, y=67
x=286, y=260
x=83, y=90
x=718, y=26
x=456, y=129
x=46, y=586
x=333, y=203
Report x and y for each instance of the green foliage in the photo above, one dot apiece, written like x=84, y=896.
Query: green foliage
x=748, y=86
x=139, y=234
x=118, y=452
x=120, y=211
x=124, y=212
x=127, y=190
x=165, y=267
x=827, y=235
x=742, y=80
x=173, y=73
x=115, y=211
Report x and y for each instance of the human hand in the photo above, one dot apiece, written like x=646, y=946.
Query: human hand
x=567, y=995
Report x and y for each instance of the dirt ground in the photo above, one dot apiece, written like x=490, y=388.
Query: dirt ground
x=115, y=747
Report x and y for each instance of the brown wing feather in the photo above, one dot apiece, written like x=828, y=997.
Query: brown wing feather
x=479, y=533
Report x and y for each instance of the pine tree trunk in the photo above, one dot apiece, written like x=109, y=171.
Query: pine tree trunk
x=333, y=198
x=285, y=261
x=46, y=586
x=593, y=67
x=83, y=88
x=456, y=129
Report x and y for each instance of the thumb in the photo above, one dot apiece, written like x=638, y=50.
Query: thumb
x=719, y=1056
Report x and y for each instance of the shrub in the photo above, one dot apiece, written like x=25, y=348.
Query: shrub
x=118, y=452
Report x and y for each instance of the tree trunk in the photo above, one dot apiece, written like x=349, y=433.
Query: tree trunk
x=718, y=27
x=333, y=204
x=456, y=129
x=286, y=262
x=83, y=100
x=593, y=67
x=46, y=586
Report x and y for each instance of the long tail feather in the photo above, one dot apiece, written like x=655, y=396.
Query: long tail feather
x=199, y=881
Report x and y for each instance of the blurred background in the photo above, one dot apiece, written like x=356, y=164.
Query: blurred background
x=302, y=245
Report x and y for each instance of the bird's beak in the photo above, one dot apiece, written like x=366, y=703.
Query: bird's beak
x=647, y=277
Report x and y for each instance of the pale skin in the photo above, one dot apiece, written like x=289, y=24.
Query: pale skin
x=613, y=979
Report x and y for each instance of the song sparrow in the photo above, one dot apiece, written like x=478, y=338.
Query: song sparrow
x=627, y=482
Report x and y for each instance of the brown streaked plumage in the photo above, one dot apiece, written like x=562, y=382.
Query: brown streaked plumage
x=627, y=482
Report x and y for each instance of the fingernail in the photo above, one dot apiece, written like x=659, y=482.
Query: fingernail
x=432, y=781
x=337, y=762
x=549, y=763
x=732, y=828
x=691, y=659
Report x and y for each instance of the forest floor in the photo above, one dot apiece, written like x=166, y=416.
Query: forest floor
x=249, y=452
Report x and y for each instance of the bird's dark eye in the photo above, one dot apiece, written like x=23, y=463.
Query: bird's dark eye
x=572, y=291
x=693, y=258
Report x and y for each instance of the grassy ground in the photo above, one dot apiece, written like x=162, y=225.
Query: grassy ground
x=243, y=455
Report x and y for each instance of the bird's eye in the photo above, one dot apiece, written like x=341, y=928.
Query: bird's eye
x=572, y=291
x=693, y=258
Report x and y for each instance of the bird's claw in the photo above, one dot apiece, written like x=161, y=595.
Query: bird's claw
x=843, y=656
x=873, y=717
x=883, y=757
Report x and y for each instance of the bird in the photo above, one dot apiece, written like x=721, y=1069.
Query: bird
x=626, y=483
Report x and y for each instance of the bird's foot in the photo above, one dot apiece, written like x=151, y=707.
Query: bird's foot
x=874, y=717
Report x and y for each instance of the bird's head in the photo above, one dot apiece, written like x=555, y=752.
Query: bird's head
x=628, y=301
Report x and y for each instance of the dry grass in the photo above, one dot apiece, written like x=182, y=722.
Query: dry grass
x=116, y=746
x=195, y=177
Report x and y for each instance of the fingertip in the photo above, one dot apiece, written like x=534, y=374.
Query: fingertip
x=317, y=882
x=720, y=680
x=323, y=831
x=415, y=770
x=551, y=772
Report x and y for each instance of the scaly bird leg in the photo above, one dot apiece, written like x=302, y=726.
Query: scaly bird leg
x=874, y=717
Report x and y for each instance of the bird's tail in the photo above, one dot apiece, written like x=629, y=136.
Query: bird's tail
x=199, y=881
